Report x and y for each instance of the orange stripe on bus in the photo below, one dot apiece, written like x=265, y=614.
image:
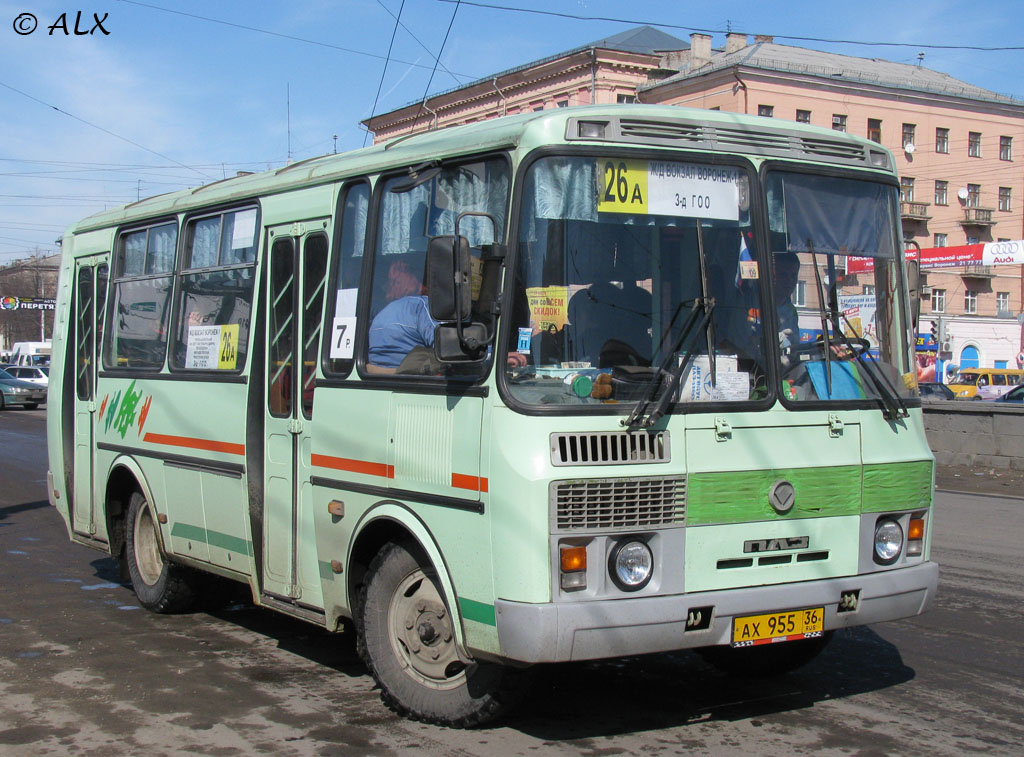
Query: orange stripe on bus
x=353, y=466
x=462, y=481
x=209, y=445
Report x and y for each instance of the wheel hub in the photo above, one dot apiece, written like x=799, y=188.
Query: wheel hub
x=422, y=630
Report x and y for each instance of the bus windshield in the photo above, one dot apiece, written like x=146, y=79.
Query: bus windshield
x=837, y=289
x=625, y=264
x=630, y=269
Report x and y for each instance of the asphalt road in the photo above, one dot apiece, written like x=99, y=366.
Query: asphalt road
x=84, y=671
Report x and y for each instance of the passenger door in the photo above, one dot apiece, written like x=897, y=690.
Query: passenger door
x=90, y=294
x=296, y=278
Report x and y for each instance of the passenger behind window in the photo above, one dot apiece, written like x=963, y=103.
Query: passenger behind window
x=610, y=321
x=403, y=324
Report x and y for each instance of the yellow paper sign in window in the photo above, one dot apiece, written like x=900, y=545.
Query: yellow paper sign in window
x=623, y=186
x=227, y=355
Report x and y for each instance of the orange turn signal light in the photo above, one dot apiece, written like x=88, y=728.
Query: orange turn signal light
x=915, y=531
x=573, y=559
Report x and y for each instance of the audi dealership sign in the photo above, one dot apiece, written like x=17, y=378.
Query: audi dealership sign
x=989, y=253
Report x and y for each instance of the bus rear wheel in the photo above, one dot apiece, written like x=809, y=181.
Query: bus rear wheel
x=767, y=660
x=410, y=648
x=160, y=585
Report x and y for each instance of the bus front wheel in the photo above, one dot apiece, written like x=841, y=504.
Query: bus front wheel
x=410, y=648
x=160, y=585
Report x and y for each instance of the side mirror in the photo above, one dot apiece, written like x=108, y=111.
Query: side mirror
x=913, y=269
x=449, y=289
x=449, y=344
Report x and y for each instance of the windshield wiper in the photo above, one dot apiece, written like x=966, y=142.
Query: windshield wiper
x=823, y=316
x=893, y=406
x=639, y=416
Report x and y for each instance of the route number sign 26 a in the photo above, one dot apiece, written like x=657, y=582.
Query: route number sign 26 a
x=642, y=187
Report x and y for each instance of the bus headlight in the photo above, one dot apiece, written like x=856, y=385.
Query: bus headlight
x=631, y=564
x=888, y=541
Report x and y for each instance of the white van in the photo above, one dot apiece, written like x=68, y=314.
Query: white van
x=31, y=353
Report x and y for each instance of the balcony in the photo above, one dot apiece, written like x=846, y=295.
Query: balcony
x=914, y=211
x=978, y=217
x=978, y=272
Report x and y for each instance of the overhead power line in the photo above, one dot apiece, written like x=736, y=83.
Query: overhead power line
x=276, y=34
x=661, y=24
x=100, y=128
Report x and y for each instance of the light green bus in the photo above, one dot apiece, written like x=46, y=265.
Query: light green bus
x=568, y=385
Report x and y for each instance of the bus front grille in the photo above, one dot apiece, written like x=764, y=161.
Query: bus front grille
x=610, y=448
x=618, y=503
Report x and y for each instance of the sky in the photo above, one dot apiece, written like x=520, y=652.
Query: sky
x=178, y=93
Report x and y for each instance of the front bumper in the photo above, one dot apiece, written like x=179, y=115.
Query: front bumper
x=558, y=632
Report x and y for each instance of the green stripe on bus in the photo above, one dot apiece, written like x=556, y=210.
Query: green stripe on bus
x=213, y=538
x=477, y=611
x=897, y=486
x=742, y=496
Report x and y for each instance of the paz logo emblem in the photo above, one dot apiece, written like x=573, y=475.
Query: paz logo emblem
x=782, y=497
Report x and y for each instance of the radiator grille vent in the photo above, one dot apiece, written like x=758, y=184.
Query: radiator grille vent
x=752, y=140
x=661, y=130
x=830, y=148
x=619, y=503
x=610, y=448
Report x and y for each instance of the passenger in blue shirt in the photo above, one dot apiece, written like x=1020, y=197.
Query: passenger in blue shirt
x=397, y=329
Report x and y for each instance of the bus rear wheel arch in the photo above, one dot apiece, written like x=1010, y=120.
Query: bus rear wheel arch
x=160, y=585
x=408, y=643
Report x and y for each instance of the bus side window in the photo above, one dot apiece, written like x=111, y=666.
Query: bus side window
x=143, y=272
x=215, y=291
x=353, y=209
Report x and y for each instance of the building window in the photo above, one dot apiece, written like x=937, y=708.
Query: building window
x=1004, y=198
x=908, y=134
x=838, y=122
x=941, y=192
x=942, y=140
x=971, y=301
x=766, y=110
x=1006, y=148
x=939, y=240
x=875, y=129
x=800, y=294
x=906, y=189
x=973, y=240
x=938, y=300
x=974, y=144
x=974, y=195
x=625, y=99
x=1002, y=302
x=869, y=289
x=562, y=104
x=803, y=116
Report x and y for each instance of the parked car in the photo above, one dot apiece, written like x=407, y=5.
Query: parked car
x=17, y=392
x=934, y=391
x=1015, y=395
x=38, y=374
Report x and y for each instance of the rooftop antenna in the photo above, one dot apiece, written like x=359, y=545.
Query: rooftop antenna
x=335, y=144
x=920, y=59
x=288, y=107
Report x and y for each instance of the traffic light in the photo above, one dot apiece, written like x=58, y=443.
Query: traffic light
x=935, y=331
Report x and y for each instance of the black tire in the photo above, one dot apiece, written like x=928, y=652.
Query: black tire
x=409, y=646
x=1, y=401
x=768, y=660
x=161, y=586
x=31, y=405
